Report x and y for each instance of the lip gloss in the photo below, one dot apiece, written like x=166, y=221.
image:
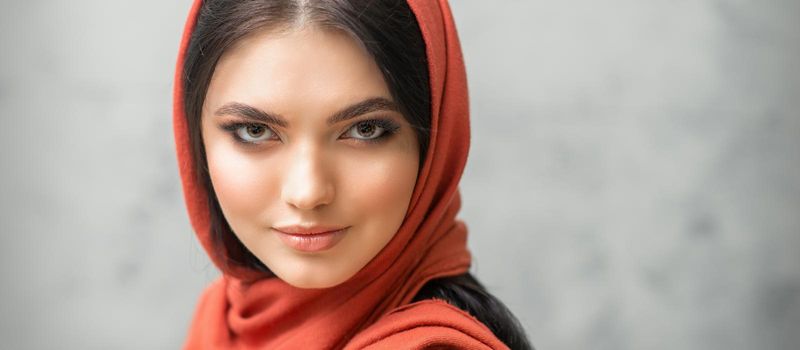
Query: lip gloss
x=312, y=242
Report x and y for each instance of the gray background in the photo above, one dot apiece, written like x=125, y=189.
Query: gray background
x=634, y=180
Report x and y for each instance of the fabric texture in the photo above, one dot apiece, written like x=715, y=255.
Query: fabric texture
x=373, y=309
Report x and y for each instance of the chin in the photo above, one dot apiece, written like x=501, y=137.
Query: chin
x=312, y=282
x=312, y=277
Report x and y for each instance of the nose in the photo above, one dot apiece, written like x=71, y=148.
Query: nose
x=307, y=184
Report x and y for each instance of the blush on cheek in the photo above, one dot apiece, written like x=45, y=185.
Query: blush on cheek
x=240, y=184
x=379, y=189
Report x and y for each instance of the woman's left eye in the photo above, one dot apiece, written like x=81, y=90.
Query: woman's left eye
x=370, y=130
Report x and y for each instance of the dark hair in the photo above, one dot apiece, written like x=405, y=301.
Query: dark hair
x=388, y=30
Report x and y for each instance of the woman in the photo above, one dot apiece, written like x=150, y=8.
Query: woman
x=320, y=146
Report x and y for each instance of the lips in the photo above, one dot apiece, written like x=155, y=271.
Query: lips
x=308, y=229
x=310, y=238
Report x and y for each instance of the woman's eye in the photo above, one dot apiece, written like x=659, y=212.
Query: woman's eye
x=253, y=133
x=366, y=130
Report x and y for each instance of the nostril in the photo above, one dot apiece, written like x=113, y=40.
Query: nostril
x=308, y=195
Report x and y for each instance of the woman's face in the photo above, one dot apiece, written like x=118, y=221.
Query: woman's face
x=302, y=137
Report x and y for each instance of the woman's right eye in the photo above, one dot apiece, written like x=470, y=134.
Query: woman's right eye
x=250, y=133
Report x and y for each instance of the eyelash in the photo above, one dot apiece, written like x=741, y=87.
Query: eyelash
x=389, y=128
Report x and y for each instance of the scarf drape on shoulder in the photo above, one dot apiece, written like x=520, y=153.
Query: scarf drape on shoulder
x=371, y=309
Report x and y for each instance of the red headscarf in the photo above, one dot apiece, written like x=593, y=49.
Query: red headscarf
x=371, y=309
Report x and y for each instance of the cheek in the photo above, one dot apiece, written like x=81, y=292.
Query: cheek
x=241, y=184
x=378, y=190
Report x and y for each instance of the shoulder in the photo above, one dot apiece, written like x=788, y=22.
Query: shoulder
x=426, y=324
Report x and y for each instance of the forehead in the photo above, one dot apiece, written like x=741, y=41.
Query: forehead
x=306, y=70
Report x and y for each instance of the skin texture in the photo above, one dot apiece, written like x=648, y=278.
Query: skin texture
x=307, y=172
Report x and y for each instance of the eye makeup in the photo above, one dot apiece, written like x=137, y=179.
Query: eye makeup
x=383, y=127
x=235, y=128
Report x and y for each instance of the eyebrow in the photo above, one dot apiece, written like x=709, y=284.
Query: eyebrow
x=249, y=112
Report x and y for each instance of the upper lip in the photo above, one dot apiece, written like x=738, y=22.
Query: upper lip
x=308, y=229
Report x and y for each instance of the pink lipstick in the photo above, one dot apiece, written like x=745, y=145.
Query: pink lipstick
x=310, y=238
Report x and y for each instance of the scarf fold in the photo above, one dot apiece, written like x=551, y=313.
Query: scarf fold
x=236, y=313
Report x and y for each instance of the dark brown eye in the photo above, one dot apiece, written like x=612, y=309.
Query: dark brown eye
x=254, y=133
x=365, y=131
x=255, y=130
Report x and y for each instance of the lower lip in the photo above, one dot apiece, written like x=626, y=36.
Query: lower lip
x=312, y=243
